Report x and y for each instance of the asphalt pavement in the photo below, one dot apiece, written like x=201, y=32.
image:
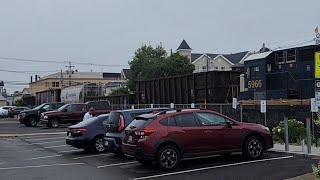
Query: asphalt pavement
x=46, y=156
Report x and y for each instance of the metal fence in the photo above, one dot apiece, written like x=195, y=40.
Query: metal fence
x=243, y=113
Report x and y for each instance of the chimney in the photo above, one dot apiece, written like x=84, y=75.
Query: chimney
x=30, y=79
x=263, y=47
x=36, y=78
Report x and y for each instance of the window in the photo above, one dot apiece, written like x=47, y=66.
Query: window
x=170, y=121
x=216, y=68
x=78, y=107
x=269, y=67
x=46, y=107
x=223, y=68
x=68, y=108
x=253, y=71
x=105, y=121
x=55, y=84
x=291, y=55
x=185, y=120
x=280, y=58
x=47, y=84
x=208, y=119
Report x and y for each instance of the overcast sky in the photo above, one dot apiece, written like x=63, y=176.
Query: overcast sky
x=109, y=31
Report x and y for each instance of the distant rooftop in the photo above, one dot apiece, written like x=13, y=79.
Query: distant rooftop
x=184, y=46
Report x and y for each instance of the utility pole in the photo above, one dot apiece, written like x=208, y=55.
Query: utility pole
x=70, y=71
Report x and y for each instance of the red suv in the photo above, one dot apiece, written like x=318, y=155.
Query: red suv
x=169, y=136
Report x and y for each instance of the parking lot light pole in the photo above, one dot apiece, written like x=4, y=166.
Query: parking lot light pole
x=286, y=134
x=308, y=135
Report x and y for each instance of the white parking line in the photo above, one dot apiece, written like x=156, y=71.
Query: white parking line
x=47, y=142
x=70, y=151
x=44, y=157
x=37, y=134
x=56, y=146
x=40, y=139
x=39, y=166
x=117, y=164
x=81, y=157
x=212, y=167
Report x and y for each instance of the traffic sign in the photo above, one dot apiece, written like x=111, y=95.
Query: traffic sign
x=317, y=65
x=234, y=103
x=314, y=107
x=317, y=84
x=317, y=95
x=263, y=108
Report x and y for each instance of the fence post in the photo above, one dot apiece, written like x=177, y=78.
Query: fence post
x=241, y=112
x=308, y=135
x=286, y=134
x=151, y=106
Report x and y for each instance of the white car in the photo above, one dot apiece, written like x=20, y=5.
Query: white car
x=4, y=110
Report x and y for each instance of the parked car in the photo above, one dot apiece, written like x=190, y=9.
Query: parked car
x=31, y=117
x=4, y=111
x=168, y=137
x=14, y=111
x=88, y=135
x=73, y=113
x=117, y=122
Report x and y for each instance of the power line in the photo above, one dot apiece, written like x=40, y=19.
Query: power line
x=58, y=62
x=24, y=72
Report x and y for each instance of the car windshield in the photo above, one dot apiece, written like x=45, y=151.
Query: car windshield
x=38, y=107
x=63, y=107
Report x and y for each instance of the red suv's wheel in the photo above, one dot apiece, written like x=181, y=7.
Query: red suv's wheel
x=168, y=157
x=253, y=147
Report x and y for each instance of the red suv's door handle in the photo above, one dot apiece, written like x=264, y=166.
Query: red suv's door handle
x=177, y=132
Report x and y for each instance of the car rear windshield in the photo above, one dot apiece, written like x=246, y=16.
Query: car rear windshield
x=114, y=118
x=139, y=123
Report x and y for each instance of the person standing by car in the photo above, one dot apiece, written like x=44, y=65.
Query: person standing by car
x=89, y=114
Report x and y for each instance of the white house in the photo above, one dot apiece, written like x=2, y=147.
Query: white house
x=211, y=62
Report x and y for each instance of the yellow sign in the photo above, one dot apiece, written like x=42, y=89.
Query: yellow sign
x=317, y=65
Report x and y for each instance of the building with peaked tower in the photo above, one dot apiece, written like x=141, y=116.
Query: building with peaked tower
x=204, y=62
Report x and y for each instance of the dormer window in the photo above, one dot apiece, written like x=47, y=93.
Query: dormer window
x=291, y=55
x=280, y=57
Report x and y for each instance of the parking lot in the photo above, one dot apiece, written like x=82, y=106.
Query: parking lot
x=41, y=153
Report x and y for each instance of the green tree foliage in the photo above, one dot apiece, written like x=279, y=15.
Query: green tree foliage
x=119, y=91
x=20, y=102
x=151, y=63
x=296, y=132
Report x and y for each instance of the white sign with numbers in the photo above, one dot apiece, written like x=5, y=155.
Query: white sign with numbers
x=263, y=108
x=317, y=98
x=234, y=103
x=314, y=107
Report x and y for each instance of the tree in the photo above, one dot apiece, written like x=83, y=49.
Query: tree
x=119, y=91
x=150, y=63
x=20, y=102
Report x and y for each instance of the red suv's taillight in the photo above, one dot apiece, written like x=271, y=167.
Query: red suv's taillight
x=143, y=134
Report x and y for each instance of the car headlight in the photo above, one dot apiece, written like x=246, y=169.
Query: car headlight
x=45, y=117
x=23, y=114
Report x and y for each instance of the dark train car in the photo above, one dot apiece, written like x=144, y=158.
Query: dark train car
x=209, y=87
x=282, y=74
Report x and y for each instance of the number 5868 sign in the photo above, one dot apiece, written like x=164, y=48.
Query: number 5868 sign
x=253, y=84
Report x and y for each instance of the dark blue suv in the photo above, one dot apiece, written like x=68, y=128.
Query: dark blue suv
x=117, y=122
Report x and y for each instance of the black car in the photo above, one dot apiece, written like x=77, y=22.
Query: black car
x=31, y=117
x=88, y=134
x=117, y=122
x=14, y=111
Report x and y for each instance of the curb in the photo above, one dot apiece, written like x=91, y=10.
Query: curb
x=8, y=135
x=295, y=153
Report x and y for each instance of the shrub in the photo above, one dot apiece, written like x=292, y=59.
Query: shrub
x=316, y=171
x=296, y=131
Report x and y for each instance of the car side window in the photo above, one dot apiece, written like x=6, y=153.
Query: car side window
x=68, y=108
x=209, y=119
x=105, y=121
x=46, y=107
x=185, y=120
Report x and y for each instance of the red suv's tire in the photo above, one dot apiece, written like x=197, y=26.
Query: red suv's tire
x=253, y=147
x=168, y=157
